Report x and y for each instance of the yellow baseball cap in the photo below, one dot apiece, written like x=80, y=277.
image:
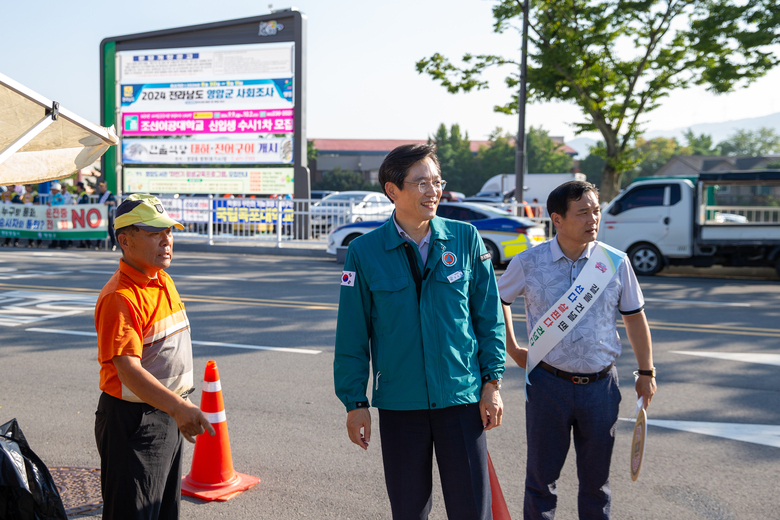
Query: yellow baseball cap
x=145, y=212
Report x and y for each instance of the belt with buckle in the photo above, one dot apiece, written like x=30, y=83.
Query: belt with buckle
x=577, y=379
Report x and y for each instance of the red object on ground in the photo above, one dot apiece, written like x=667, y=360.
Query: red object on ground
x=500, y=511
x=212, y=476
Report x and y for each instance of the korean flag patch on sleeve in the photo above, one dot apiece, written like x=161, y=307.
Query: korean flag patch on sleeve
x=348, y=278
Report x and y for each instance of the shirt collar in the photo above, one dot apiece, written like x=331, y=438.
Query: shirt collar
x=406, y=236
x=557, y=252
x=138, y=277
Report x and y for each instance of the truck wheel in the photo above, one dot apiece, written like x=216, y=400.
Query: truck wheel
x=645, y=259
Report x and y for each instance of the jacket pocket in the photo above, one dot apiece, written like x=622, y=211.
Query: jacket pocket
x=389, y=311
x=457, y=280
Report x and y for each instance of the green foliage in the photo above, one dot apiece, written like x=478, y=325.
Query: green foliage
x=700, y=145
x=544, y=155
x=774, y=165
x=651, y=155
x=311, y=152
x=593, y=165
x=458, y=164
x=573, y=57
x=499, y=157
x=343, y=180
x=744, y=142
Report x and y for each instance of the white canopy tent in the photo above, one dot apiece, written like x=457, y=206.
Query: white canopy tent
x=39, y=141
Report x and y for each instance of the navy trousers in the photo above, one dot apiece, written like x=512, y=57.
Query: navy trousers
x=556, y=408
x=140, y=461
x=409, y=439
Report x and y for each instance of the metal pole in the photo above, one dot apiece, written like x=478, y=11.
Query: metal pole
x=520, y=142
x=211, y=219
x=278, y=222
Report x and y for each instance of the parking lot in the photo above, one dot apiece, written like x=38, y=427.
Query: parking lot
x=713, y=444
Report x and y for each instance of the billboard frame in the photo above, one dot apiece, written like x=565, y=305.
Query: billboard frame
x=230, y=32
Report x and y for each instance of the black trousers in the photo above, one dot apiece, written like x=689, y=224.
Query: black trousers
x=140, y=461
x=408, y=441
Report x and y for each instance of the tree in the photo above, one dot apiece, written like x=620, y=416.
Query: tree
x=593, y=165
x=311, y=152
x=499, y=157
x=544, y=154
x=578, y=54
x=744, y=142
x=653, y=154
x=343, y=180
x=700, y=145
x=458, y=166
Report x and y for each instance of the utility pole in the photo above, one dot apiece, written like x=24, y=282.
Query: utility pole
x=520, y=141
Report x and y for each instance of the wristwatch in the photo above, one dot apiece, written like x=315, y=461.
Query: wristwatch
x=650, y=372
x=497, y=382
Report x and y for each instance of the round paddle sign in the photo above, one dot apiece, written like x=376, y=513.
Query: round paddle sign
x=638, y=443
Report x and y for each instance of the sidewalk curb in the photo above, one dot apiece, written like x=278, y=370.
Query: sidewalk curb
x=247, y=249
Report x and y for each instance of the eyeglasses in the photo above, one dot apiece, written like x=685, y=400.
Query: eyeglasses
x=423, y=185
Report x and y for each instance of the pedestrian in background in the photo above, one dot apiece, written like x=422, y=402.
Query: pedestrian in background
x=419, y=311
x=107, y=198
x=145, y=355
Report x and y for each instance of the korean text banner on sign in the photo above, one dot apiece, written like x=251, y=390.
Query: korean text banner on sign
x=186, y=123
x=234, y=102
x=208, y=95
x=212, y=151
x=266, y=181
x=252, y=211
x=82, y=221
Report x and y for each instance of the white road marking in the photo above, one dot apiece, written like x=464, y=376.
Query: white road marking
x=747, y=357
x=65, y=332
x=227, y=278
x=765, y=434
x=699, y=302
x=203, y=343
x=28, y=307
x=254, y=347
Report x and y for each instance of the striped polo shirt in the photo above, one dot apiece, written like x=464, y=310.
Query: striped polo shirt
x=144, y=317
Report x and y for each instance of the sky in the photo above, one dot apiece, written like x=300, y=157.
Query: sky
x=362, y=81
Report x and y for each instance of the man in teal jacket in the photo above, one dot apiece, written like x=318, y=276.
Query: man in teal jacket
x=419, y=308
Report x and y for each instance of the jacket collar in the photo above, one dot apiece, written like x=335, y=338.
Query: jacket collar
x=392, y=239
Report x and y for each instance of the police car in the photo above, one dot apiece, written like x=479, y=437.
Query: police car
x=504, y=235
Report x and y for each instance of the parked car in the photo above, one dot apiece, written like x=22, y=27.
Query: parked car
x=496, y=197
x=349, y=206
x=452, y=196
x=504, y=235
x=491, y=197
x=321, y=194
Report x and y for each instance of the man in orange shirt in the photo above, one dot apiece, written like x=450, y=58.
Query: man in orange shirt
x=145, y=355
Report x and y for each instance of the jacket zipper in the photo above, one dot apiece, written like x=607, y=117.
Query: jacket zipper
x=378, y=374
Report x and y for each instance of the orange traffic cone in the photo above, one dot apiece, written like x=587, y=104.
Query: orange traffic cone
x=212, y=476
x=500, y=511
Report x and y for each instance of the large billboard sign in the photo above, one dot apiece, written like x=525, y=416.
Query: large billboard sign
x=217, y=108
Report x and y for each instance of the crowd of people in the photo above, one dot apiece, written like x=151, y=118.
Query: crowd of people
x=60, y=195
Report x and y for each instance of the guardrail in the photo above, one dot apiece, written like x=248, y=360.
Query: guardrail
x=741, y=214
x=258, y=220
x=272, y=222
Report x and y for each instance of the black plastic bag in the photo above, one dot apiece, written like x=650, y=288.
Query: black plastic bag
x=27, y=490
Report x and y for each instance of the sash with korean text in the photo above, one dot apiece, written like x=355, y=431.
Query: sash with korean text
x=564, y=315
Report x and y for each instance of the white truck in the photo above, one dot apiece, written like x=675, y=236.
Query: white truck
x=726, y=218
x=537, y=185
